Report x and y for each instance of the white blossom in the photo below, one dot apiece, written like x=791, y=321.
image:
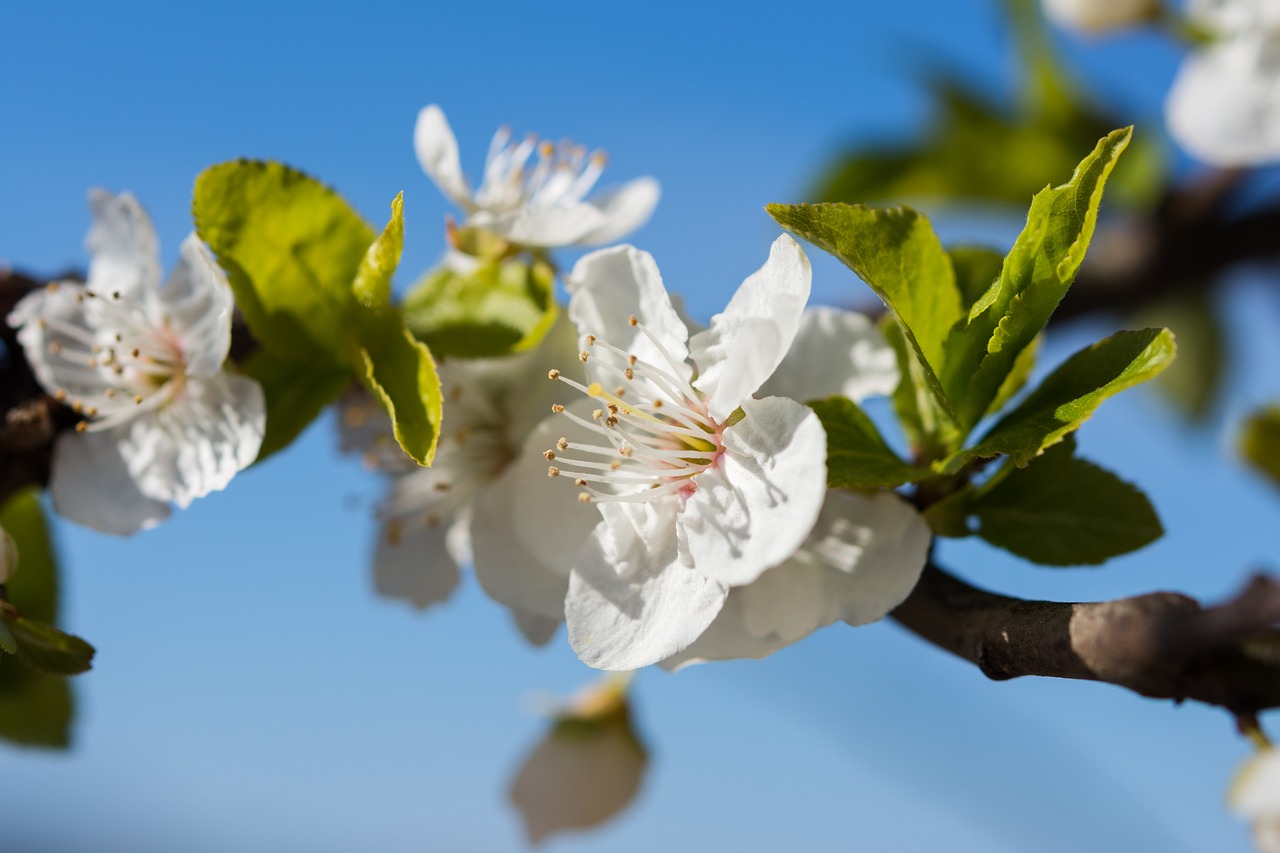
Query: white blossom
x=1093, y=16
x=538, y=201
x=142, y=364
x=1255, y=796
x=1224, y=106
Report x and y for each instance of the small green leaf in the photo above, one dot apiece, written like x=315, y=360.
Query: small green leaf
x=401, y=371
x=46, y=649
x=8, y=644
x=896, y=253
x=857, y=457
x=1018, y=376
x=1193, y=382
x=1260, y=442
x=1036, y=275
x=1064, y=511
x=499, y=308
x=372, y=287
x=296, y=393
x=906, y=397
x=1069, y=395
x=291, y=247
x=33, y=589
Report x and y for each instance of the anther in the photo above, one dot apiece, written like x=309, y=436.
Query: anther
x=135, y=352
x=81, y=426
x=584, y=497
x=597, y=414
x=611, y=421
x=615, y=464
x=442, y=487
x=591, y=340
x=580, y=482
x=553, y=471
x=562, y=445
x=629, y=373
x=77, y=407
x=55, y=347
x=619, y=391
x=627, y=450
x=553, y=374
x=556, y=408
x=583, y=356
x=137, y=398
x=631, y=360
x=633, y=321
x=115, y=294
x=91, y=411
x=657, y=404
x=549, y=455
x=60, y=395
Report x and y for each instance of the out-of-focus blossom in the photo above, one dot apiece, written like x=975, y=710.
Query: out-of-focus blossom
x=142, y=365
x=1093, y=16
x=538, y=201
x=1255, y=796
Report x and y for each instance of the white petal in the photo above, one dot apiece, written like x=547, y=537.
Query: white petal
x=538, y=630
x=437, y=150
x=1255, y=796
x=610, y=286
x=1099, y=15
x=91, y=485
x=754, y=509
x=59, y=306
x=123, y=244
x=416, y=566
x=1224, y=105
x=531, y=526
x=624, y=209
x=198, y=302
x=747, y=341
x=834, y=352
x=548, y=227
x=196, y=444
x=631, y=601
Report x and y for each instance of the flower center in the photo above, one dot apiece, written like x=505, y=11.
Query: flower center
x=115, y=361
x=657, y=433
x=562, y=176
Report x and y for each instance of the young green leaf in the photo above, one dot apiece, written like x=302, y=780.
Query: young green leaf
x=45, y=649
x=1260, y=442
x=397, y=368
x=857, y=457
x=897, y=254
x=1064, y=511
x=291, y=247
x=500, y=308
x=33, y=589
x=981, y=352
x=1193, y=383
x=976, y=269
x=1069, y=395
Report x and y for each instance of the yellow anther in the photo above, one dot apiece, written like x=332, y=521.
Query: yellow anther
x=627, y=450
x=553, y=374
x=553, y=471
x=549, y=455
x=557, y=408
x=135, y=352
x=629, y=373
x=591, y=340
x=583, y=356
x=584, y=498
x=580, y=482
x=597, y=414
x=442, y=487
x=633, y=321
x=81, y=426
x=562, y=445
x=615, y=464
x=611, y=421
x=60, y=395
x=137, y=398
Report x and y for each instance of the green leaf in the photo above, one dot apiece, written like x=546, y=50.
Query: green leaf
x=46, y=649
x=500, y=308
x=1036, y=275
x=397, y=368
x=1069, y=395
x=1064, y=511
x=976, y=269
x=372, y=287
x=857, y=457
x=291, y=247
x=296, y=393
x=906, y=397
x=1260, y=442
x=8, y=644
x=35, y=709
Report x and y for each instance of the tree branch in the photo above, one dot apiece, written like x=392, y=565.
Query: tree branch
x=1162, y=645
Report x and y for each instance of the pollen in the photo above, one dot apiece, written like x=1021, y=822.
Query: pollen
x=557, y=408
x=553, y=374
x=562, y=445
x=553, y=471
x=583, y=356
x=549, y=455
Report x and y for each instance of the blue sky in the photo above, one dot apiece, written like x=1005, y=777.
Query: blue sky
x=252, y=693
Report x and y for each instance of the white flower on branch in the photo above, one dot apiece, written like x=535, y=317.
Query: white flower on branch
x=1255, y=796
x=142, y=365
x=491, y=405
x=1224, y=106
x=539, y=201
x=1094, y=16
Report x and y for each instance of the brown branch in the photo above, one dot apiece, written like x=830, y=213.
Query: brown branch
x=1162, y=645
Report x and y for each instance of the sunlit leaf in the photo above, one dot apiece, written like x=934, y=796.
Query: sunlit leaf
x=1260, y=442
x=857, y=457
x=296, y=392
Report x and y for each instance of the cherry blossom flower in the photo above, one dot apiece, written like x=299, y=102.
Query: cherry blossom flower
x=1092, y=16
x=142, y=365
x=1224, y=106
x=533, y=202
x=1255, y=796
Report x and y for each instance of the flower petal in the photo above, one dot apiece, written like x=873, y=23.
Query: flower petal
x=748, y=340
x=51, y=322
x=631, y=601
x=122, y=241
x=547, y=226
x=437, y=150
x=91, y=485
x=610, y=286
x=197, y=443
x=834, y=352
x=532, y=525
x=624, y=209
x=198, y=303
x=416, y=566
x=756, y=507
x=538, y=630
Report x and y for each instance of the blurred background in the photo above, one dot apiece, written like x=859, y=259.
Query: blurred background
x=251, y=692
